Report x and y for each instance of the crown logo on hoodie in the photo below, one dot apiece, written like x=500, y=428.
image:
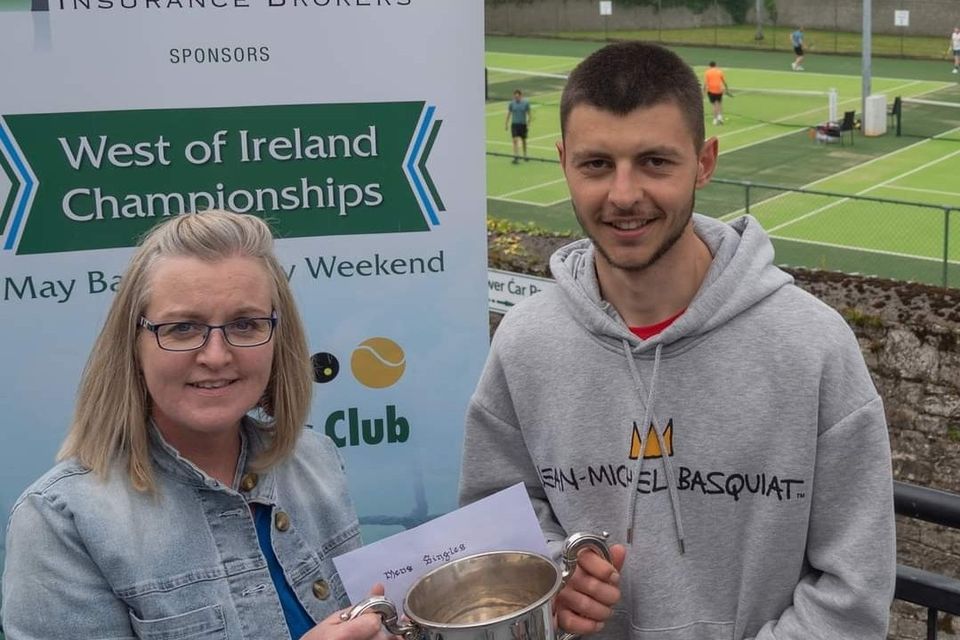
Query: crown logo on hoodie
x=651, y=445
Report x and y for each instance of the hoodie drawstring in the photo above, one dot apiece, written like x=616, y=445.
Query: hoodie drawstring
x=650, y=418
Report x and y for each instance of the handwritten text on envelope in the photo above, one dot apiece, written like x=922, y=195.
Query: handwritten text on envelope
x=502, y=521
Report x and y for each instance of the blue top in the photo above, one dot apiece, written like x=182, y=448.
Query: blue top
x=518, y=110
x=797, y=37
x=297, y=618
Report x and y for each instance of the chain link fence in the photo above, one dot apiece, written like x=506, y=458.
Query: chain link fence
x=895, y=239
x=904, y=28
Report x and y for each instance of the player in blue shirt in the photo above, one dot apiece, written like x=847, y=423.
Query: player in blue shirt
x=518, y=118
x=797, y=39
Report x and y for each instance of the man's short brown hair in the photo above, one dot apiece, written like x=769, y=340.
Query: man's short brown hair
x=625, y=76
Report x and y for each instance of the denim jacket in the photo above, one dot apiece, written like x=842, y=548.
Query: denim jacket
x=88, y=559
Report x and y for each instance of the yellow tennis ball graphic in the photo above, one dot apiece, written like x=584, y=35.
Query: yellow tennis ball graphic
x=378, y=362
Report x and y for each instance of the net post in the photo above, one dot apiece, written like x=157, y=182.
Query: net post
x=832, y=101
x=746, y=196
x=898, y=116
x=946, y=243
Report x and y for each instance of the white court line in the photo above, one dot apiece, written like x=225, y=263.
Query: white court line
x=529, y=146
x=523, y=56
x=525, y=189
x=867, y=190
x=507, y=72
x=556, y=202
x=856, y=167
x=515, y=201
x=553, y=135
x=936, y=191
x=895, y=254
x=499, y=108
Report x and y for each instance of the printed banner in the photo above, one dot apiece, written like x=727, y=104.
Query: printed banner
x=118, y=172
x=354, y=127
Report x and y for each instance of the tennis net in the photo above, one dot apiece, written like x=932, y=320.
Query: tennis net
x=936, y=116
x=538, y=87
x=784, y=107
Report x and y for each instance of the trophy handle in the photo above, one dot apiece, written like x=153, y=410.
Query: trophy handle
x=578, y=541
x=571, y=547
x=388, y=616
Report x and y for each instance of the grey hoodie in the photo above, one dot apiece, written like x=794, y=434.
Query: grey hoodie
x=743, y=450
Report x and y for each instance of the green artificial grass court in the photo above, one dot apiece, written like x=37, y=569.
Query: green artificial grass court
x=766, y=139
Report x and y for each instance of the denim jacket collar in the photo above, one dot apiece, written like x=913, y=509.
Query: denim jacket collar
x=169, y=461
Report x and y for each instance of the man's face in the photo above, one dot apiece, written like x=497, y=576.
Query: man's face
x=632, y=180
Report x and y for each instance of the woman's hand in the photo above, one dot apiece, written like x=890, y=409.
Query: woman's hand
x=363, y=627
x=587, y=600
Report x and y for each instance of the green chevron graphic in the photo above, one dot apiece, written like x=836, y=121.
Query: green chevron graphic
x=312, y=170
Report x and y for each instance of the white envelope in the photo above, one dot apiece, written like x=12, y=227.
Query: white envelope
x=500, y=522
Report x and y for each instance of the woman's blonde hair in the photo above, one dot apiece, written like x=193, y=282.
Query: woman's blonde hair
x=113, y=405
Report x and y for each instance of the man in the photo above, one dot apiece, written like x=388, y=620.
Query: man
x=678, y=391
x=519, y=116
x=955, y=48
x=715, y=85
x=796, y=38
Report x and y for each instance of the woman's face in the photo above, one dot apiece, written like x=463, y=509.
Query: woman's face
x=199, y=395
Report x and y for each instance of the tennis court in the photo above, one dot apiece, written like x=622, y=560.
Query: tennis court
x=766, y=140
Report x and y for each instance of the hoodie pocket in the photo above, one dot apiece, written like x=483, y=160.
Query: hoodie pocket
x=200, y=624
x=699, y=630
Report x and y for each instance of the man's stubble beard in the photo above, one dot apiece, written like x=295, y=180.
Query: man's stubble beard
x=664, y=247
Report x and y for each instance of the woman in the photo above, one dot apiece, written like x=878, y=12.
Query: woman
x=172, y=513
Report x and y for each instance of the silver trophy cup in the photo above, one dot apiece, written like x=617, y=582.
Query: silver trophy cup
x=498, y=595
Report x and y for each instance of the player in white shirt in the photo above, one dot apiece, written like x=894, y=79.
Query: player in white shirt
x=955, y=48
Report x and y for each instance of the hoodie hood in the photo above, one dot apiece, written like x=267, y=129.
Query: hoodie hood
x=742, y=253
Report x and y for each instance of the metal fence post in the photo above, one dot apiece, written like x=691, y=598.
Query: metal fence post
x=659, y=21
x=946, y=243
x=716, y=21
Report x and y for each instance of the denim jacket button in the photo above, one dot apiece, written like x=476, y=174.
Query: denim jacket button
x=249, y=482
x=281, y=521
x=321, y=590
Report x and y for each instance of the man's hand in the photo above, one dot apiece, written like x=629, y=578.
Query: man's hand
x=587, y=600
x=364, y=627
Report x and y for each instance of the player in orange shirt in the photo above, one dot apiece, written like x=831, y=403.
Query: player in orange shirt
x=715, y=85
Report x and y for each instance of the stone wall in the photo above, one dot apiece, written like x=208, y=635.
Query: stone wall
x=926, y=17
x=910, y=338
x=550, y=16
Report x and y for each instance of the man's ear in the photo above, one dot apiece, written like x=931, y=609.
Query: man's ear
x=707, y=161
x=560, y=151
